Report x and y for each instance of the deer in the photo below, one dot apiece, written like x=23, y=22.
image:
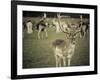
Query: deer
x=56, y=24
x=42, y=27
x=84, y=27
x=29, y=27
x=65, y=49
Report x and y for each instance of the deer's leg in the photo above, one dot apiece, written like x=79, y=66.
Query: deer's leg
x=85, y=31
x=56, y=59
x=28, y=29
x=69, y=61
x=80, y=36
x=70, y=56
x=59, y=62
x=42, y=34
x=31, y=31
x=39, y=32
x=64, y=61
x=46, y=33
x=57, y=28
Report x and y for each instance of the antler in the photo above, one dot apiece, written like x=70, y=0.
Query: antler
x=59, y=17
x=68, y=33
x=44, y=15
x=77, y=32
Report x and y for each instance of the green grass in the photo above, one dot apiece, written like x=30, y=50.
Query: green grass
x=38, y=53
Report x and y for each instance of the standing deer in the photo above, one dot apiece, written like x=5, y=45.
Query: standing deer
x=65, y=49
x=56, y=24
x=42, y=27
x=84, y=27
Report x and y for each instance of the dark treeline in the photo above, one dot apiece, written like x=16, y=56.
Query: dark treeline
x=52, y=14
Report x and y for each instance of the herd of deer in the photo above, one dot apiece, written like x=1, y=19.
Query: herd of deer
x=63, y=49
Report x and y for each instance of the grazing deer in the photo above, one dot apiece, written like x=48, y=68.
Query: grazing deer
x=65, y=49
x=29, y=27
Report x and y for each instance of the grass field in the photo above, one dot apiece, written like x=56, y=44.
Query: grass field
x=38, y=53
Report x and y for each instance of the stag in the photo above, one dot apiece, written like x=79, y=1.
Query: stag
x=65, y=49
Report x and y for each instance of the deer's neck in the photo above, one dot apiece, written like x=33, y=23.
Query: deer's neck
x=72, y=45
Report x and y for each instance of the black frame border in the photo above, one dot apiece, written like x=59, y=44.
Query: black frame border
x=14, y=4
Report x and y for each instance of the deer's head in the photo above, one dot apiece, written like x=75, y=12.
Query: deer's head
x=71, y=34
